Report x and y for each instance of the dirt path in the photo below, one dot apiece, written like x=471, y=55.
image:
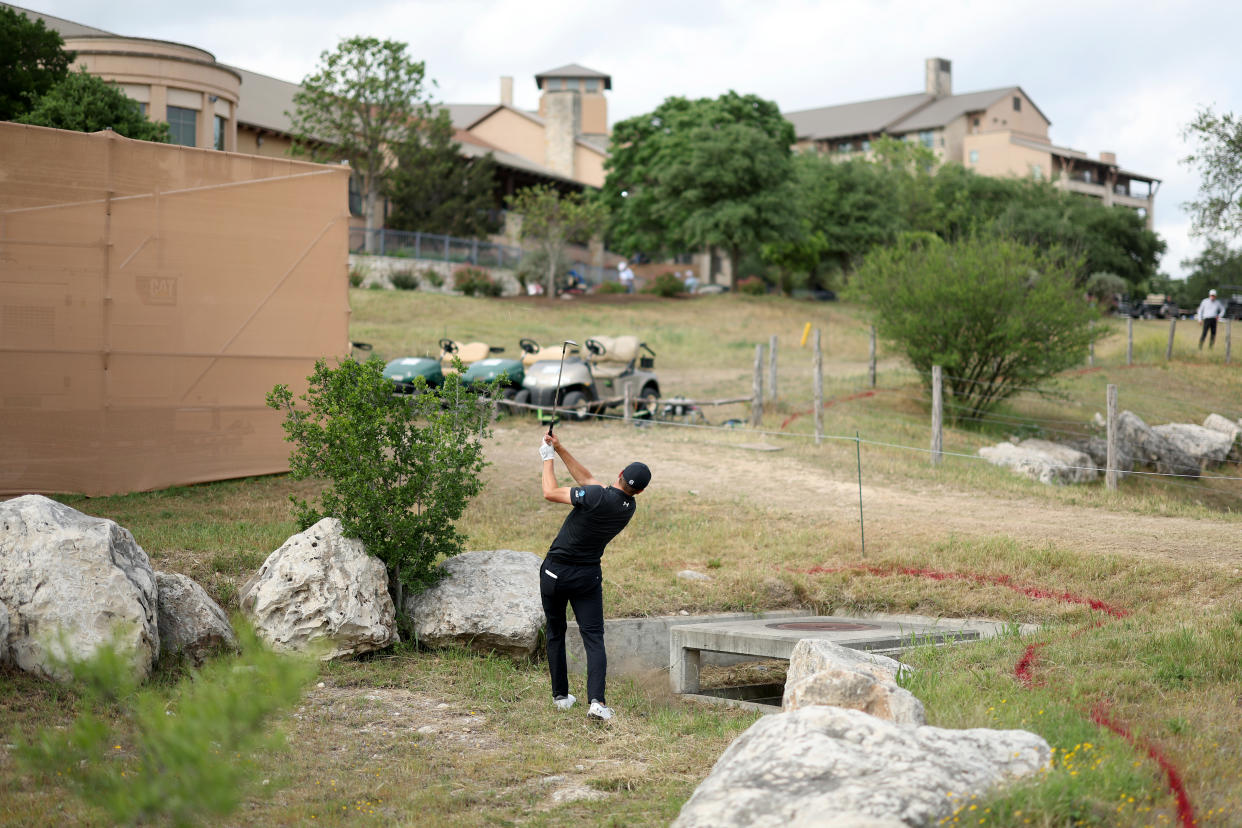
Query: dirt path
x=780, y=480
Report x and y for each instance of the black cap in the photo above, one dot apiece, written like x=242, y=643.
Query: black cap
x=636, y=476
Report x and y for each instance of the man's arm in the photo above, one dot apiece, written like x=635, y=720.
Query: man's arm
x=551, y=491
x=576, y=470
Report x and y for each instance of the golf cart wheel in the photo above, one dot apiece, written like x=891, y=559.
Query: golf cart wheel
x=648, y=403
x=518, y=395
x=576, y=406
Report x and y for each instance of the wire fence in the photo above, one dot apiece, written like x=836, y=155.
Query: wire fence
x=434, y=247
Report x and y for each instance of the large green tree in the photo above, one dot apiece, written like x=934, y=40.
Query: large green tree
x=85, y=103
x=357, y=106
x=550, y=221
x=1218, y=158
x=32, y=61
x=698, y=173
x=434, y=189
x=1217, y=266
x=997, y=315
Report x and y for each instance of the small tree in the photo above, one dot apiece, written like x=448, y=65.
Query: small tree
x=32, y=61
x=358, y=104
x=85, y=103
x=997, y=315
x=550, y=221
x=400, y=469
x=434, y=189
x=1218, y=157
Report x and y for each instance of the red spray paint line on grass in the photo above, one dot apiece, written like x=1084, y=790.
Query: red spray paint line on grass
x=1024, y=669
x=1184, y=809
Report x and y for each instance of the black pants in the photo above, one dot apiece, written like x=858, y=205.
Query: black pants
x=1208, y=325
x=582, y=588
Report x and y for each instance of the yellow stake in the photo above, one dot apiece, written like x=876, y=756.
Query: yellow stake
x=805, y=333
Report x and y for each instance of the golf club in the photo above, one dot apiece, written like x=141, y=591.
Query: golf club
x=556, y=391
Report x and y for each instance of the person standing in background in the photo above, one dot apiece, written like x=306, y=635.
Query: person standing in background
x=1209, y=311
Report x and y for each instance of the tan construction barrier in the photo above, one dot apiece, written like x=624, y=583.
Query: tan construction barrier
x=150, y=296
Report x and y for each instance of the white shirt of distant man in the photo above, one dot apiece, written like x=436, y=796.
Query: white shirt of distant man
x=626, y=276
x=1209, y=311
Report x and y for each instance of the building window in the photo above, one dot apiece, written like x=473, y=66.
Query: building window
x=143, y=107
x=572, y=84
x=976, y=123
x=592, y=85
x=927, y=138
x=974, y=156
x=1037, y=172
x=218, y=137
x=1087, y=176
x=1017, y=104
x=183, y=124
x=355, y=195
x=555, y=83
x=845, y=146
x=866, y=146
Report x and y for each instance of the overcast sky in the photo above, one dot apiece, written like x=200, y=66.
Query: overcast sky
x=1124, y=76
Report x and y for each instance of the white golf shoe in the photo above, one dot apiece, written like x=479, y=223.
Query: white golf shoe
x=564, y=702
x=599, y=711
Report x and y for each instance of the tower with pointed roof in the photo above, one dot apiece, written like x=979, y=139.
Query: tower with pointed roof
x=574, y=109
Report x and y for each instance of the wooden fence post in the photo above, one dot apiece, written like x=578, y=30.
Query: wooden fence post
x=819, y=390
x=772, y=368
x=872, y=355
x=756, y=403
x=1129, y=340
x=1110, y=462
x=1228, y=338
x=937, y=433
x=1168, y=353
x=629, y=406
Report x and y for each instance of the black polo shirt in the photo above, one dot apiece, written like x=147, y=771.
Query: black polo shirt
x=598, y=514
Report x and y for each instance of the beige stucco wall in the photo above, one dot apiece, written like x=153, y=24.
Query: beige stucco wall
x=1000, y=116
x=513, y=133
x=273, y=146
x=588, y=166
x=954, y=134
x=594, y=113
x=999, y=156
x=159, y=73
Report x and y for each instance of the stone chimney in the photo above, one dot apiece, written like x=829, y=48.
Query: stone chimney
x=939, y=80
x=1108, y=158
x=562, y=113
x=506, y=90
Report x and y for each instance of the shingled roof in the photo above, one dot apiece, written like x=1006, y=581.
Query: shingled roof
x=573, y=70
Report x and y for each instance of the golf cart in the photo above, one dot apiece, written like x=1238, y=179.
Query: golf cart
x=598, y=382
x=403, y=371
x=510, y=372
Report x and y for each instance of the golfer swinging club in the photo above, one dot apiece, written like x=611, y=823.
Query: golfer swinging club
x=571, y=574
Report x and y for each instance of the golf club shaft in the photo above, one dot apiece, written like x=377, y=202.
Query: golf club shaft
x=556, y=391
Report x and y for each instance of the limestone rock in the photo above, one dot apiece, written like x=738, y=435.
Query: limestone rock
x=814, y=655
x=1097, y=449
x=190, y=622
x=1147, y=447
x=856, y=691
x=321, y=590
x=1226, y=426
x=829, y=766
x=487, y=600
x=4, y=634
x=691, y=575
x=1042, y=460
x=71, y=583
x=821, y=672
x=1203, y=445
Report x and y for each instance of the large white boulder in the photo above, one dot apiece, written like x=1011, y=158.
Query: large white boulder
x=190, y=622
x=1203, y=445
x=1141, y=442
x=4, y=634
x=1227, y=426
x=71, y=583
x=822, y=672
x=321, y=592
x=822, y=766
x=1043, y=461
x=487, y=600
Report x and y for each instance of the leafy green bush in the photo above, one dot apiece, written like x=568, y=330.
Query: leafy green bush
x=475, y=282
x=432, y=277
x=356, y=274
x=752, y=286
x=178, y=756
x=997, y=315
x=610, y=287
x=1104, y=286
x=404, y=280
x=666, y=285
x=401, y=468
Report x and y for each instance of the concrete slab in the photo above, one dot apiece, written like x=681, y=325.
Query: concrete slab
x=776, y=638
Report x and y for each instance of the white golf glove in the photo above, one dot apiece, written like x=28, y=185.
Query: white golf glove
x=546, y=452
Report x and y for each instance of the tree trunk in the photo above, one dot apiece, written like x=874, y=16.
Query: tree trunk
x=735, y=261
x=368, y=212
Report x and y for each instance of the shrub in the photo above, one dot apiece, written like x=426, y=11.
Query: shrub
x=997, y=315
x=752, y=286
x=474, y=282
x=404, y=280
x=666, y=285
x=179, y=759
x=357, y=274
x=401, y=468
x=1104, y=286
x=610, y=287
x=432, y=277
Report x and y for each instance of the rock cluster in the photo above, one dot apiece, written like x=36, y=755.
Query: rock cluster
x=825, y=673
x=1173, y=448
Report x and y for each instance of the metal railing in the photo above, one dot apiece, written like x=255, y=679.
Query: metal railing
x=416, y=245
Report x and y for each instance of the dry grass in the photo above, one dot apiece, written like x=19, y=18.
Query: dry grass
x=758, y=522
